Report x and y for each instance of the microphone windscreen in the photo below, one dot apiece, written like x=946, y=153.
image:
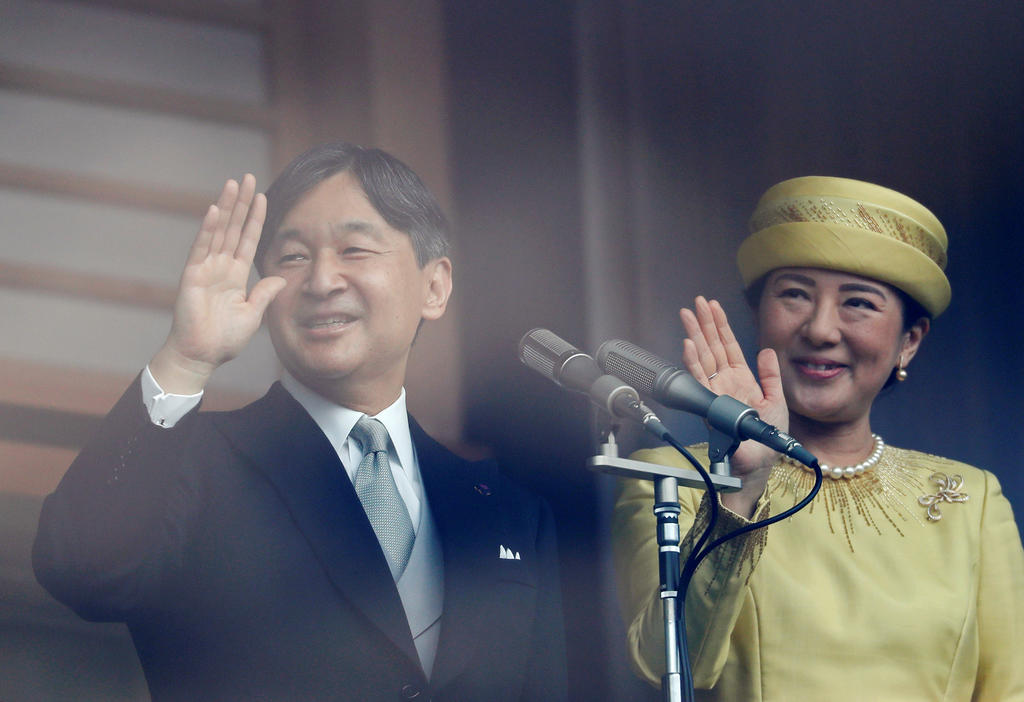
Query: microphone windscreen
x=636, y=366
x=544, y=351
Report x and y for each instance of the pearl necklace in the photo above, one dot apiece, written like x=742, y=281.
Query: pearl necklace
x=853, y=471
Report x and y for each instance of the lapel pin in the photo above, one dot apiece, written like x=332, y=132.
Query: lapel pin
x=949, y=491
x=482, y=489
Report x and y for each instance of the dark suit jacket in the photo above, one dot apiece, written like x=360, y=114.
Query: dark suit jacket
x=236, y=550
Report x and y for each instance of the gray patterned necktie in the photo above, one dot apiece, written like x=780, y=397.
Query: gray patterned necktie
x=376, y=489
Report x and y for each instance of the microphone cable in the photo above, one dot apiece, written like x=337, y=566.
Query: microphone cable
x=698, y=553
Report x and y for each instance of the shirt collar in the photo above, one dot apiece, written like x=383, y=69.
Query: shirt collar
x=336, y=423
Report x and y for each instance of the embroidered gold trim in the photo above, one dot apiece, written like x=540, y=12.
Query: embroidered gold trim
x=735, y=558
x=852, y=213
x=870, y=499
x=873, y=499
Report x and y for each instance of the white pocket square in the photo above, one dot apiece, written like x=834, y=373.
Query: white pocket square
x=508, y=554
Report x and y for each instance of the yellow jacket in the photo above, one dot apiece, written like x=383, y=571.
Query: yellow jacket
x=857, y=597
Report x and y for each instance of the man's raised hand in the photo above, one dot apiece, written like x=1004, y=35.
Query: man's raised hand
x=214, y=314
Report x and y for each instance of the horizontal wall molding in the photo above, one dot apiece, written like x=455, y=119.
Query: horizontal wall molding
x=35, y=384
x=135, y=96
x=80, y=391
x=104, y=190
x=48, y=427
x=208, y=11
x=135, y=293
x=47, y=413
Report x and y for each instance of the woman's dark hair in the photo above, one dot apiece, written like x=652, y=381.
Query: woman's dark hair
x=393, y=189
x=912, y=312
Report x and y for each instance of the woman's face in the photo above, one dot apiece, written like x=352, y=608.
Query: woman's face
x=838, y=337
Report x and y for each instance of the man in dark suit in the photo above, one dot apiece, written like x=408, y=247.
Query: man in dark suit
x=317, y=544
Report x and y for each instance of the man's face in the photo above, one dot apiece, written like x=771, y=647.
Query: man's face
x=354, y=295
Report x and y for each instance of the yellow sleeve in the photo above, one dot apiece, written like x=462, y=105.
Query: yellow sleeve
x=716, y=593
x=1000, y=601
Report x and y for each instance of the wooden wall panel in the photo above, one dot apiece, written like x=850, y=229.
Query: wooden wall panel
x=122, y=119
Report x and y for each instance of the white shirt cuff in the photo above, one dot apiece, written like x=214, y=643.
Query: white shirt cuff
x=165, y=409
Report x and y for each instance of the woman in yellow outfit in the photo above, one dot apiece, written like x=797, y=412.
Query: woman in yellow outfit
x=904, y=578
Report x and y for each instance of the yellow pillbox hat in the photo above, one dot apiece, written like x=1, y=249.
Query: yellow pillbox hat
x=852, y=226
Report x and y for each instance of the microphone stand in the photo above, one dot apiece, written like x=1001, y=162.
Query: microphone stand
x=720, y=447
x=666, y=508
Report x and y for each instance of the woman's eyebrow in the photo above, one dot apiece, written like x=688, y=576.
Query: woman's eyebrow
x=797, y=278
x=862, y=287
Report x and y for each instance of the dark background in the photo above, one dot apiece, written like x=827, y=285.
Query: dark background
x=696, y=109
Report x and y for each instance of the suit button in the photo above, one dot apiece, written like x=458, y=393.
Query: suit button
x=410, y=692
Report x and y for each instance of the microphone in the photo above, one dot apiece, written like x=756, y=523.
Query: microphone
x=675, y=388
x=560, y=361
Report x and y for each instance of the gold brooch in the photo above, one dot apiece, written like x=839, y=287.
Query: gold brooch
x=949, y=491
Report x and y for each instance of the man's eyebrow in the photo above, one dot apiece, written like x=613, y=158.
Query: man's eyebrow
x=286, y=234
x=360, y=226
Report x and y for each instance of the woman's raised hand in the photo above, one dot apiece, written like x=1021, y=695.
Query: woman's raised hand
x=214, y=314
x=713, y=356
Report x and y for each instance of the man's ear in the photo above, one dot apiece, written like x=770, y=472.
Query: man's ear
x=438, y=279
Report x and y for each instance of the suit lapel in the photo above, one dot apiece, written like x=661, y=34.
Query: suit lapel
x=463, y=506
x=287, y=447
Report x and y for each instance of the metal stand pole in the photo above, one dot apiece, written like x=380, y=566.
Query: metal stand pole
x=666, y=509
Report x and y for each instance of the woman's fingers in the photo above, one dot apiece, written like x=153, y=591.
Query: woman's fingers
x=713, y=355
x=714, y=342
x=773, y=408
x=730, y=346
x=695, y=333
x=692, y=362
x=770, y=375
x=709, y=326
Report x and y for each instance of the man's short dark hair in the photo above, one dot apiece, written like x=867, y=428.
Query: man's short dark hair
x=393, y=189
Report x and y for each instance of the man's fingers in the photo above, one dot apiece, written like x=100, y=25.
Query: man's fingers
x=252, y=231
x=263, y=293
x=239, y=213
x=225, y=204
x=201, y=246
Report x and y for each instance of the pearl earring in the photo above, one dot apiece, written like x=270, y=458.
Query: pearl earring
x=901, y=373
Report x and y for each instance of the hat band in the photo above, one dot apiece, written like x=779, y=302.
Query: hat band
x=851, y=213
